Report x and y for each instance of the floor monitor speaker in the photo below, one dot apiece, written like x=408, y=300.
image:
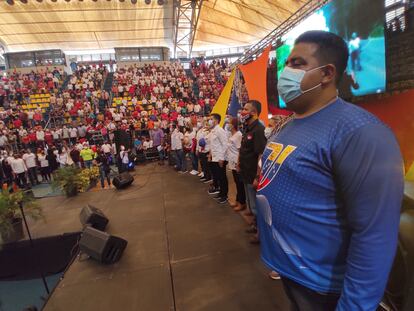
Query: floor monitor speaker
x=93, y=217
x=102, y=246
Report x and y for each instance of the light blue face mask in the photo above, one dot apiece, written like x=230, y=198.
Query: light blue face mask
x=289, y=83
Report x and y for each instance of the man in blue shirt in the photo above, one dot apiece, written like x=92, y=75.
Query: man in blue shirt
x=330, y=189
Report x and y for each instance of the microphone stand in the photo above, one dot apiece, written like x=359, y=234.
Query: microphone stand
x=32, y=244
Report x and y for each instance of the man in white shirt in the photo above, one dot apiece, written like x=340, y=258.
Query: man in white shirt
x=29, y=159
x=177, y=149
x=106, y=149
x=218, y=147
x=19, y=170
x=73, y=133
x=40, y=137
x=202, y=151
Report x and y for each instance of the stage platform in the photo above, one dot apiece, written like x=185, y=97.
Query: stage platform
x=185, y=251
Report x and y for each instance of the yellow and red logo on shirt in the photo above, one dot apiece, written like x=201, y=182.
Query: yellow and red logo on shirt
x=274, y=156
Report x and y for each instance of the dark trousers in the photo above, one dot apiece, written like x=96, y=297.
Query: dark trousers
x=220, y=173
x=204, y=165
x=305, y=299
x=241, y=194
x=21, y=180
x=213, y=174
x=32, y=172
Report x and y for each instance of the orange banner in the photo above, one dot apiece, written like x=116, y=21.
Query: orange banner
x=255, y=74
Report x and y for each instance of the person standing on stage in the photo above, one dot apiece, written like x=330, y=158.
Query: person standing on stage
x=331, y=187
x=251, y=149
x=218, y=146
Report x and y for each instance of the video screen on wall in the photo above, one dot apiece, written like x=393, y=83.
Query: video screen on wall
x=361, y=24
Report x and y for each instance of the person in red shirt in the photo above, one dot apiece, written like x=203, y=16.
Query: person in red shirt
x=32, y=138
x=37, y=117
x=48, y=137
x=17, y=123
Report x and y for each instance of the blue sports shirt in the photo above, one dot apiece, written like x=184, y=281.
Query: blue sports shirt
x=329, y=201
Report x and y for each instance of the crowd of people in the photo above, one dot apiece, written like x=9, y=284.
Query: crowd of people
x=144, y=102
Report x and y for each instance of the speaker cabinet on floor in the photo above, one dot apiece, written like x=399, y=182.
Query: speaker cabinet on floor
x=123, y=180
x=93, y=217
x=102, y=246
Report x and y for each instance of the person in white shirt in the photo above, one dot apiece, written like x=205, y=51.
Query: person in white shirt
x=202, y=151
x=73, y=133
x=44, y=166
x=19, y=170
x=177, y=149
x=124, y=159
x=190, y=136
x=40, y=137
x=106, y=148
x=30, y=160
x=62, y=158
x=232, y=157
x=218, y=147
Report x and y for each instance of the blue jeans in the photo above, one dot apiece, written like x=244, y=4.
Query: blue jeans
x=180, y=160
x=251, y=198
x=194, y=161
x=88, y=163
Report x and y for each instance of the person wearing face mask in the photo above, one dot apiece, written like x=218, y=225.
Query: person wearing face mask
x=252, y=146
x=202, y=152
x=232, y=157
x=218, y=146
x=331, y=187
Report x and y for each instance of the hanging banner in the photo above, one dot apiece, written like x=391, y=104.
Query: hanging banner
x=223, y=101
x=234, y=104
x=410, y=174
x=255, y=74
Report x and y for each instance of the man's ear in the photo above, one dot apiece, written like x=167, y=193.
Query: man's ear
x=328, y=74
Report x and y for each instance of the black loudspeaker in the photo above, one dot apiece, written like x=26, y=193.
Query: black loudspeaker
x=102, y=246
x=123, y=180
x=93, y=217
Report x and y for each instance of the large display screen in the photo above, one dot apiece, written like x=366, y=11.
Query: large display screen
x=361, y=24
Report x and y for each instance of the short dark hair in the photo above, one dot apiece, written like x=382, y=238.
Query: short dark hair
x=256, y=105
x=216, y=116
x=332, y=49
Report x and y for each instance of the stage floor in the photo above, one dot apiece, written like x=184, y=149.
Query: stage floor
x=185, y=251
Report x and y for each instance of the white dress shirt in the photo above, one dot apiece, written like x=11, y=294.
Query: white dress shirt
x=29, y=159
x=18, y=166
x=233, y=149
x=176, y=140
x=218, y=144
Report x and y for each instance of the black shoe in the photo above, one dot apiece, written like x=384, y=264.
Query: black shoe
x=252, y=229
x=222, y=200
x=203, y=179
x=213, y=191
x=217, y=196
x=207, y=181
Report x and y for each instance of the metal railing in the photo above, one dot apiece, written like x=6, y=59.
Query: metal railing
x=309, y=8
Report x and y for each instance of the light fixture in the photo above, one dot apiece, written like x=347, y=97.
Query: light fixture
x=147, y=1
x=39, y=0
x=134, y=1
x=11, y=2
x=23, y=1
x=160, y=2
x=53, y=0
